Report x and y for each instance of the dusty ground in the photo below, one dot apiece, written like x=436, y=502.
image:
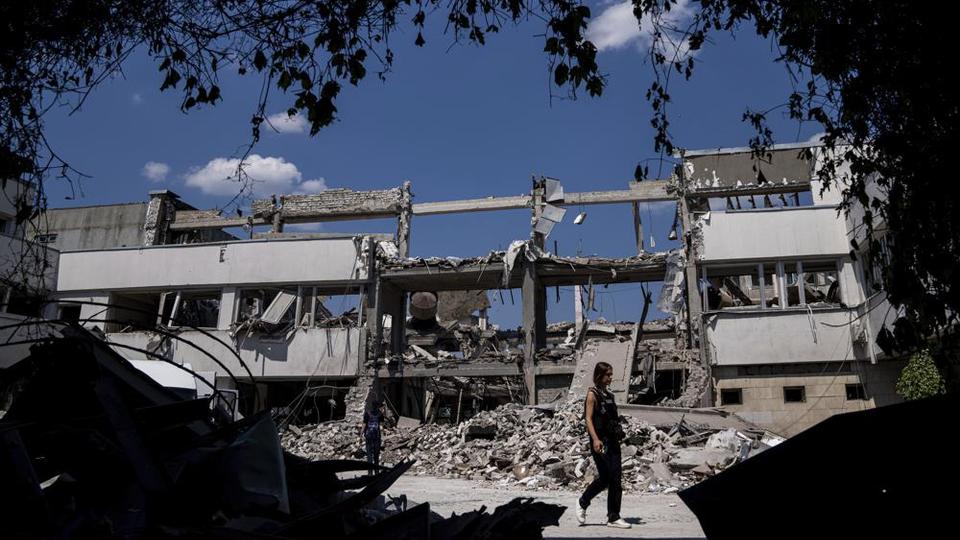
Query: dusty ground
x=663, y=516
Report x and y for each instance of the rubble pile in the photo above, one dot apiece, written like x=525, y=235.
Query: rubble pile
x=536, y=447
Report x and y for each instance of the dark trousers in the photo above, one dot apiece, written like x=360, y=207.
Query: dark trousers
x=373, y=452
x=609, y=477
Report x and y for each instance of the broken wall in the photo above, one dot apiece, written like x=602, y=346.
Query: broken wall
x=551, y=388
x=614, y=353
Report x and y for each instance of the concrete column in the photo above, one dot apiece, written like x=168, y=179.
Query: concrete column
x=693, y=297
x=534, y=325
x=405, y=220
x=160, y=212
x=278, y=216
x=637, y=227
x=536, y=197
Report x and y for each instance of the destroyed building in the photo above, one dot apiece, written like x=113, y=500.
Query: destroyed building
x=769, y=315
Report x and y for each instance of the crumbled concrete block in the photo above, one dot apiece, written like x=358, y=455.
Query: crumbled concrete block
x=689, y=458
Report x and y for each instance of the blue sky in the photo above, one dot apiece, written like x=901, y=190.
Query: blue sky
x=458, y=122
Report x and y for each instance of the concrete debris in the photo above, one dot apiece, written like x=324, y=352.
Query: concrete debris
x=459, y=342
x=536, y=447
x=690, y=458
x=460, y=305
x=695, y=383
x=725, y=440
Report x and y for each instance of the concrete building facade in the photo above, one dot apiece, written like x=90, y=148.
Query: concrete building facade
x=770, y=316
x=786, y=320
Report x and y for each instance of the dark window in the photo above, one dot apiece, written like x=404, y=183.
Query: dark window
x=70, y=313
x=855, y=391
x=199, y=309
x=794, y=394
x=731, y=396
x=46, y=238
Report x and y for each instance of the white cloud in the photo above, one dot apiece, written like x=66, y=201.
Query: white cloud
x=136, y=98
x=284, y=123
x=155, y=171
x=617, y=27
x=309, y=187
x=268, y=174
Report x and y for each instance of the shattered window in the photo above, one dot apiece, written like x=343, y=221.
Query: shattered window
x=791, y=275
x=771, y=285
x=272, y=305
x=200, y=309
x=129, y=312
x=821, y=283
x=329, y=310
x=732, y=288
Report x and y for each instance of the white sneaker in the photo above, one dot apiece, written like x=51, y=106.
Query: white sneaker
x=619, y=524
x=581, y=515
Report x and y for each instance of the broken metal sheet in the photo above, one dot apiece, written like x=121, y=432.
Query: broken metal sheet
x=278, y=307
x=553, y=213
x=553, y=190
x=413, y=524
x=317, y=520
x=516, y=248
x=544, y=226
x=671, y=294
x=388, y=249
x=521, y=518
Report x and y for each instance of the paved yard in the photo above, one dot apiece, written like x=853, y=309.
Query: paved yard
x=663, y=516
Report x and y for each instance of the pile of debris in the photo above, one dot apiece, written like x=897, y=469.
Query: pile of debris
x=539, y=447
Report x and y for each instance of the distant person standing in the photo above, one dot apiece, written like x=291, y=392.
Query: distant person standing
x=370, y=431
x=603, y=425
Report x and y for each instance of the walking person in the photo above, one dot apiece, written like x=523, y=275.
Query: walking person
x=370, y=431
x=603, y=425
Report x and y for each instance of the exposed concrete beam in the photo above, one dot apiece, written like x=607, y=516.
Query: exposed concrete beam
x=551, y=273
x=187, y=220
x=648, y=191
x=471, y=205
x=324, y=207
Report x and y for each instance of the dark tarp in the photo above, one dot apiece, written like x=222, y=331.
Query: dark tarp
x=879, y=473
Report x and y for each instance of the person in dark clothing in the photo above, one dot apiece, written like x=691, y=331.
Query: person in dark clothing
x=370, y=431
x=603, y=425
